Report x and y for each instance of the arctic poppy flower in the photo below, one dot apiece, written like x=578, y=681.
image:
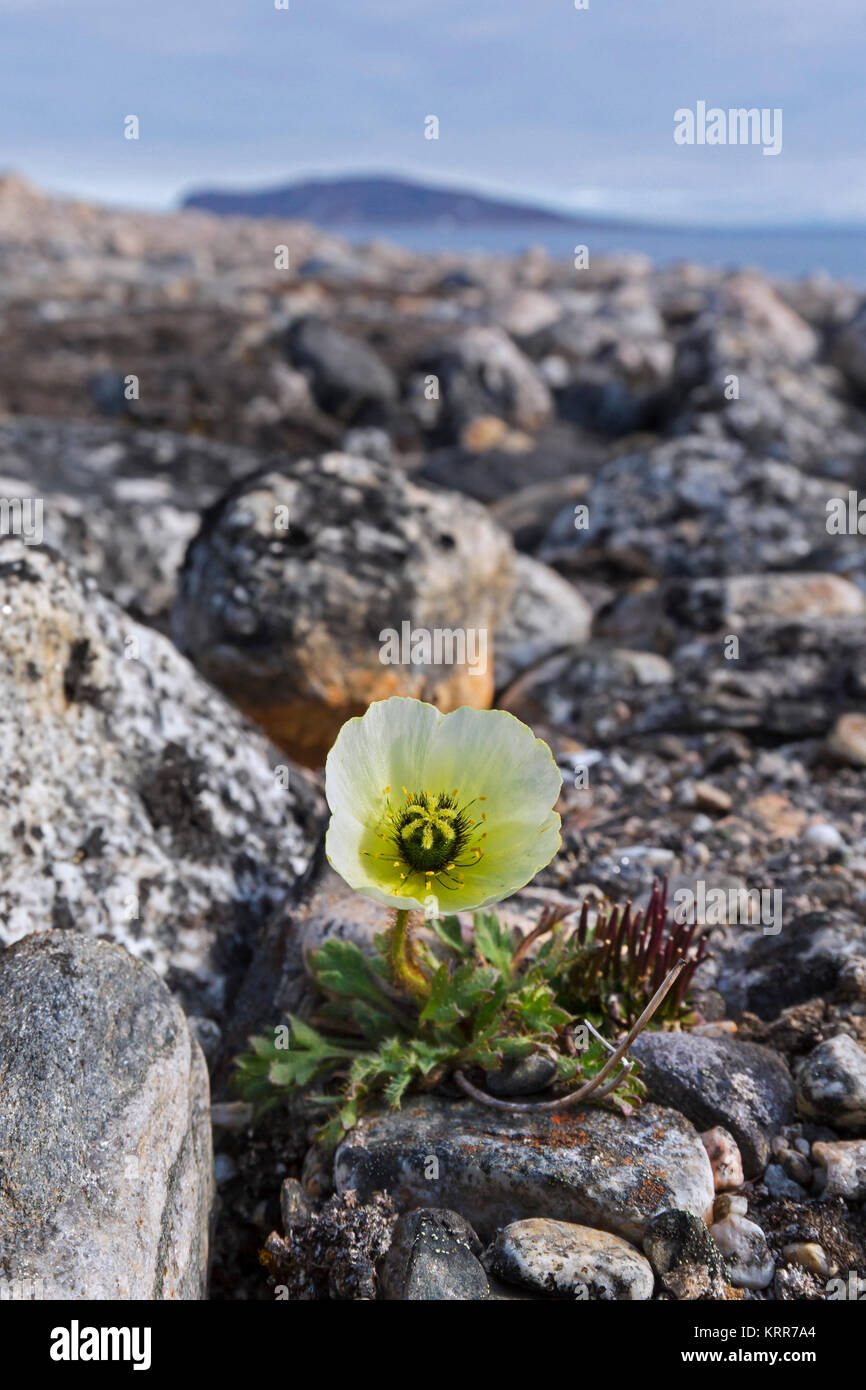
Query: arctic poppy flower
x=441, y=812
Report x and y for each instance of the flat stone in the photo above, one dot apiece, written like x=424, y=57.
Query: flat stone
x=570, y=1261
x=811, y=1256
x=831, y=1084
x=743, y=1087
x=105, y=1140
x=589, y=1166
x=433, y=1256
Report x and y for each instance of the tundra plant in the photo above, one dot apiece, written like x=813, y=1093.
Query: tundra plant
x=443, y=814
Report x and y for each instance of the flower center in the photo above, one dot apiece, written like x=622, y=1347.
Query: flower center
x=432, y=831
x=431, y=835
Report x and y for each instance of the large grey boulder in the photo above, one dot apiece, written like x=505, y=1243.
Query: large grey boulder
x=136, y=803
x=105, y=1142
x=301, y=594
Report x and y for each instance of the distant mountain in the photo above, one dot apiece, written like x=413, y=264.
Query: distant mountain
x=372, y=200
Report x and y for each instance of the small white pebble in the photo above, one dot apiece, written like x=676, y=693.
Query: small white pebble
x=824, y=836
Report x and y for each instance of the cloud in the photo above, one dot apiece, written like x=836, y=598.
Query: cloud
x=528, y=94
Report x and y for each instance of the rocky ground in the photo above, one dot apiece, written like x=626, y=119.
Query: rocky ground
x=256, y=448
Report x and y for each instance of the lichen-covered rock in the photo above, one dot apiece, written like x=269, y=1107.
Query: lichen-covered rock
x=684, y=1256
x=831, y=1085
x=587, y=1166
x=302, y=592
x=136, y=804
x=434, y=1256
x=720, y=1081
x=105, y=1142
x=565, y=1260
x=748, y=369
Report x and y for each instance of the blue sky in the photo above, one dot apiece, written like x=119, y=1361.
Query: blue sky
x=534, y=98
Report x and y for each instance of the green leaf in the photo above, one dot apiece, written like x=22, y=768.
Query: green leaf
x=515, y=1048
x=453, y=997
x=493, y=942
x=341, y=968
x=374, y=1023
x=448, y=931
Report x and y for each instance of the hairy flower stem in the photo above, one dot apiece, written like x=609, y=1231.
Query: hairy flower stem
x=405, y=969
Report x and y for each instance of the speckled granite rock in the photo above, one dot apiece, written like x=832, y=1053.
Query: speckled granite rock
x=295, y=576
x=136, y=804
x=720, y=1081
x=105, y=1143
x=587, y=1166
x=562, y=1259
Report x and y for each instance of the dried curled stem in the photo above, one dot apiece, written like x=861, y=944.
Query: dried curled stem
x=590, y=1089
